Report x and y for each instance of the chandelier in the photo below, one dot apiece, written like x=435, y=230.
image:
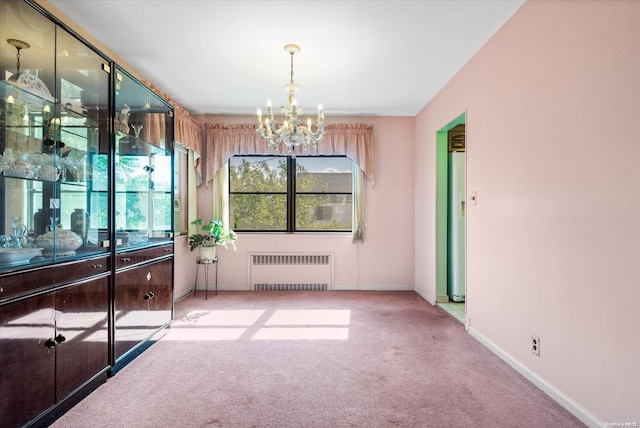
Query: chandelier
x=19, y=45
x=290, y=133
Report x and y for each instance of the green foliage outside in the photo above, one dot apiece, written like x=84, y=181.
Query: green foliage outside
x=255, y=211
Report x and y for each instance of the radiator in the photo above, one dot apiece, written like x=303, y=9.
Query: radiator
x=293, y=271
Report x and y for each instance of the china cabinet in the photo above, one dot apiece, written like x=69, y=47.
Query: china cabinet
x=143, y=216
x=86, y=215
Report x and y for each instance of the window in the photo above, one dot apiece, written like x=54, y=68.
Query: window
x=289, y=194
x=180, y=189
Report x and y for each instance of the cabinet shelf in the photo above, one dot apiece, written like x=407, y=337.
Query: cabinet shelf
x=19, y=97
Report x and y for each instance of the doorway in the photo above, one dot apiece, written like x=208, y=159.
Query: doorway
x=451, y=218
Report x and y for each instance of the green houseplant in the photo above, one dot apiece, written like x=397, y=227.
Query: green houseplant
x=209, y=236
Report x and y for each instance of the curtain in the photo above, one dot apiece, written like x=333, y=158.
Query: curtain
x=226, y=140
x=221, y=197
x=186, y=129
x=353, y=140
x=192, y=192
x=359, y=204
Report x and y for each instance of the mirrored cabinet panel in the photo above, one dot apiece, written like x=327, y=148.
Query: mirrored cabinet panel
x=143, y=165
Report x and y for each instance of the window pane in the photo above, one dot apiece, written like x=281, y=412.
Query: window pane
x=131, y=173
x=130, y=211
x=323, y=212
x=100, y=172
x=258, y=174
x=324, y=174
x=258, y=212
x=99, y=218
x=162, y=209
x=161, y=174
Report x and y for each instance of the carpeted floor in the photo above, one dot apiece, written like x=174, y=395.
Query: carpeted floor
x=316, y=359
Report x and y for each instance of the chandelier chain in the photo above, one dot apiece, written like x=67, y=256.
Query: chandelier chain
x=292, y=67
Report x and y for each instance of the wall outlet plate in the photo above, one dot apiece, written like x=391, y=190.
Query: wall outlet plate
x=535, y=345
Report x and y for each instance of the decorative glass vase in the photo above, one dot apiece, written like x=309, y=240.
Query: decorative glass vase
x=80, y=223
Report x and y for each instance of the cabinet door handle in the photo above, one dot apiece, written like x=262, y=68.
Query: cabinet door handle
x=152, y=294
x=167, y=250
x=126, y=259
x=96, y=266
x=60, y=338
x=50, y=343
x=147, y=296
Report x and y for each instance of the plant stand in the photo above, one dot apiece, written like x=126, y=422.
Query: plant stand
x=206, y=263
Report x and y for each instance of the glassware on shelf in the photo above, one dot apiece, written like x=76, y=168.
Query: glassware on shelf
x=135, y=144
x=137, y=127
x=18, y=231
x=74, y=162
x=6, y=241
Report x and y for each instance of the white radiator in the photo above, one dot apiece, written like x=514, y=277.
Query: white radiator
x=292, y=271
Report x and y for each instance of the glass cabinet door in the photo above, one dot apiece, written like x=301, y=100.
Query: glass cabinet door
x=143, y=165
x=54, y=111
x=83, y=116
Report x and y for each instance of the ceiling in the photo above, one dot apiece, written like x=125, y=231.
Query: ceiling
x=373, y=58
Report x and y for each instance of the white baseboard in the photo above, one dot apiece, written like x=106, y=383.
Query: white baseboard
x=247, y=287
x=427, y=298
x=364, y=287
x=579, y=412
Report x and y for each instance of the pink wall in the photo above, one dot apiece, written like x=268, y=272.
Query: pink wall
x=553, y=103
x=385, y=259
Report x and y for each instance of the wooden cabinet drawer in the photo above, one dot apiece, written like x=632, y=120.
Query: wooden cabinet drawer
x=47, y=276
x=130, y=258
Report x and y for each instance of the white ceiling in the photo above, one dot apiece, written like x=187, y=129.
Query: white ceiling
x=379, y=58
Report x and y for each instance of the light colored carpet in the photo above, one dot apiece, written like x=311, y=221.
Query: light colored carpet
x=316, y=359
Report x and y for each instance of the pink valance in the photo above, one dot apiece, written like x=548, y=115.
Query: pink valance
x=187, y=131
x=225, y=140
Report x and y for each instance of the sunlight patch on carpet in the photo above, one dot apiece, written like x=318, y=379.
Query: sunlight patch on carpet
x=302, y=333
x=310, y=317
x=246, y=324
x=244, y=317
x=204, y=334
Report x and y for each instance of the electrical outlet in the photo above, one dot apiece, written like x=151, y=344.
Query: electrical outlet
x=535, y=345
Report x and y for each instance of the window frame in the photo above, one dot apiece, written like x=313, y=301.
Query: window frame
x=290, y=194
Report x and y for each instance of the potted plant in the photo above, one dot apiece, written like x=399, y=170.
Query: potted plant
x=211, y=235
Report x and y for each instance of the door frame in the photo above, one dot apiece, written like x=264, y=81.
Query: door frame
x=442, y=180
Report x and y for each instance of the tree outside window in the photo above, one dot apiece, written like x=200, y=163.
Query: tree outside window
x=285, y=193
